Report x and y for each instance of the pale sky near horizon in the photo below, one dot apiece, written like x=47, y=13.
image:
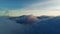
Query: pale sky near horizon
x=28, y=7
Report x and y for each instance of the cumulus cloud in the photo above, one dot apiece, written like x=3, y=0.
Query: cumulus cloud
x=43, y=24
x=11, y=27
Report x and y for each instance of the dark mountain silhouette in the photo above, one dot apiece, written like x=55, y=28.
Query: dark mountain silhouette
x=25, y=19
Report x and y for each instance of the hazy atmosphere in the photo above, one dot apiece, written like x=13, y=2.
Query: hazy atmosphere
x=29, y=16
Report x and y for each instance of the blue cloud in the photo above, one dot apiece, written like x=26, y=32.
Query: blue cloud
x=47, y=26
x=44, y=25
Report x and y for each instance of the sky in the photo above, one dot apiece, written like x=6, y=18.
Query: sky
x=28, y=7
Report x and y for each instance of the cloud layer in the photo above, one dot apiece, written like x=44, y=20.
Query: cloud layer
x=47, y=7
x=21, y=25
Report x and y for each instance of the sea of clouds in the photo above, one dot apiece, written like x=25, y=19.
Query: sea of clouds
x=18, y=25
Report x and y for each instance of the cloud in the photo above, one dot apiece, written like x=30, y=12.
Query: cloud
x=38, y=8
x=53, y=11
x=39, y=4
x=44, y=25
x=7, y=26
x=48, y=7
x=11, y=27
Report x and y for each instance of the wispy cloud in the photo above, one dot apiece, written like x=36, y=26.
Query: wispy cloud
x=48, y=7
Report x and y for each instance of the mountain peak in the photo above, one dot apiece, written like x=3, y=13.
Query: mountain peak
x=26, y=19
